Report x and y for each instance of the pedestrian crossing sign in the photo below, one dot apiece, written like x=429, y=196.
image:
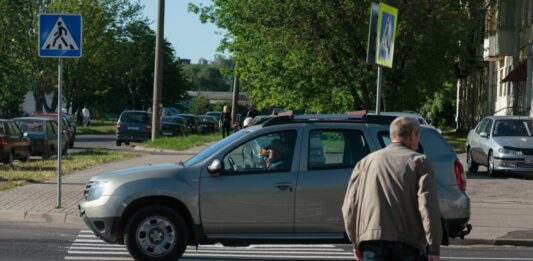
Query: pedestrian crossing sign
x=60, y=35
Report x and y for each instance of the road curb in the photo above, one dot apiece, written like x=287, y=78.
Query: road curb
x=493, y=241
x=55, y=218
x=180, y=152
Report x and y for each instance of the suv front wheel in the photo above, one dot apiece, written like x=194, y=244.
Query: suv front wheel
x=156, y=233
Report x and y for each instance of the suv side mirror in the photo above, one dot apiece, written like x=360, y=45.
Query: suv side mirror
x=215, y=167
x=484, y=134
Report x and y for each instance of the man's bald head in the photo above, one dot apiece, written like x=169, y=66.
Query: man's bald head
x=403, y=129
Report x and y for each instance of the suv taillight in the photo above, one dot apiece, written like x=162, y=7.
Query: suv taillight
x=460, y=175
x=118, y=125
x=148, y=126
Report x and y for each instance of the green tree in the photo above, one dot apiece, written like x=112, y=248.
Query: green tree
x=210, y=76
x=199, y=105
x=310, y=55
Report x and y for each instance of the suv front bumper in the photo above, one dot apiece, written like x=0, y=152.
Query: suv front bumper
x=105, y=228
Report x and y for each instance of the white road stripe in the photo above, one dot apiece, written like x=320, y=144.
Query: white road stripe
x=102, y=244
x=89, y=240
x=487, y=258
x=97, y=258
x=98, y=252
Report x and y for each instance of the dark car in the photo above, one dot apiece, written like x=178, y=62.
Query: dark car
x=133, y=126
x=208, y=124
x=13, y=144
x=42, y=133
x=174, y=125
x=66, y=124
x=192, y=123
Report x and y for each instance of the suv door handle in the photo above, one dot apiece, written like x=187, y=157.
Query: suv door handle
x=283, y=186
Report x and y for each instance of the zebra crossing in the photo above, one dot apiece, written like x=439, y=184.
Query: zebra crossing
x=88, y=247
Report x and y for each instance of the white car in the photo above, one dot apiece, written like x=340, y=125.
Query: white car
x=503, y=144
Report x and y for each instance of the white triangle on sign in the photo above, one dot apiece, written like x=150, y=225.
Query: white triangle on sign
x=60, y=38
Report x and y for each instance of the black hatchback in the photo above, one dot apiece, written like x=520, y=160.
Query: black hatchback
x=133, y=126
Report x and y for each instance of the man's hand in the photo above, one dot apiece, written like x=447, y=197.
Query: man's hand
x=357, y=254
x=433, y=258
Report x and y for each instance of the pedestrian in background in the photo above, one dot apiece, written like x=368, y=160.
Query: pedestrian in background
x=252, y=112
x=86, y=116
x=79, y=117
x=225, y=120
x=391, y=210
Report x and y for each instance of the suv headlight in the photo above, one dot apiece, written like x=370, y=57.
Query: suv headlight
x=510, y=152
x=94, y=190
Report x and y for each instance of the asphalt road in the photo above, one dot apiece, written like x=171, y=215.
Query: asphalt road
x=35, y=241
x=44, y=241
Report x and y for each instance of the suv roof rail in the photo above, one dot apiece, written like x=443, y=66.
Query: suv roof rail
x=361, y=118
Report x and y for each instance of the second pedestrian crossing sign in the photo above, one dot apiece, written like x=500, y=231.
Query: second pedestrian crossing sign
x=60, y=35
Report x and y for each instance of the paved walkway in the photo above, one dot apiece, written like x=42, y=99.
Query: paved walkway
x=502, y=209
x=37, y=202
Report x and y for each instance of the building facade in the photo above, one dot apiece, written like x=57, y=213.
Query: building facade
x=502, y=83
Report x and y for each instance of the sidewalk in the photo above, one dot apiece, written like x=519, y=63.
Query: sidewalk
x=37, y=202
x=502, y=209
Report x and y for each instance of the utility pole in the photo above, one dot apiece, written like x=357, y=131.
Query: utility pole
x=158, y=70
x=235, y=99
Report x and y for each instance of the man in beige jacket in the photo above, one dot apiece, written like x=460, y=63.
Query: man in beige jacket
x=391, y=210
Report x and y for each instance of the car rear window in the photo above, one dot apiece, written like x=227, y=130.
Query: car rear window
x=2, y=130
x=336, y=149
x=134, y=117
x=32, y=126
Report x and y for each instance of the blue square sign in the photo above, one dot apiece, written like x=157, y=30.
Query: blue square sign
x=60, y=35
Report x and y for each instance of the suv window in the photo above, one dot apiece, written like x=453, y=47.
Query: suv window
x=50, y=129
x=267, y=153
x=134, y=117
x=384, y=139
x=2, y=129
x=336, y=149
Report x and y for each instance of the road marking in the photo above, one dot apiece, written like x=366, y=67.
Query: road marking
x=88, y=247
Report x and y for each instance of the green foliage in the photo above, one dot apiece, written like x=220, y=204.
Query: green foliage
x=439, y=109
x=214, y=76
x=310, y=55
x=199, y=105
x=116, y=68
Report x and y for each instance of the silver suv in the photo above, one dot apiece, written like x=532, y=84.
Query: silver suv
x=282, y=181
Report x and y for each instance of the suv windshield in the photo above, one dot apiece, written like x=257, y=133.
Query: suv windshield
x=214, y=148
x=513, y=128
x=134, y=117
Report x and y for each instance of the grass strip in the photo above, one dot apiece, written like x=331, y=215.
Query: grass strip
x=456, y=140
x=41, y=170
x=182, y=142
x=98, y=127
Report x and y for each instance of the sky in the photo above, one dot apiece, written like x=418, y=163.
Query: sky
x=189, y=37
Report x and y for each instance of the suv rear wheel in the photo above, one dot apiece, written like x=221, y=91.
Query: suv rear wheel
x=156, y=233
x=470, y=163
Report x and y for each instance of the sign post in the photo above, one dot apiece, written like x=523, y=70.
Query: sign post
x=60, y=36
x=382, y=32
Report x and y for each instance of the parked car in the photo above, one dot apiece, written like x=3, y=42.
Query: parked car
x=67, y=125
x=228, y=193
x=42, y=133
x=215, y=114
x=208, y=124
x=192, y=123
x=174, y=125
x=503, y=144
x=133, y=126
x=13, y=144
